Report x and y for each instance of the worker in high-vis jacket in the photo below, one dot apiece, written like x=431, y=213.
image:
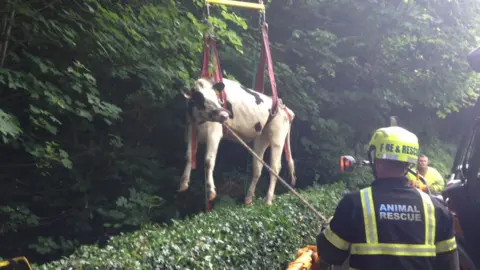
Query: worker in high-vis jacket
x=434, y=179
x=390, y=225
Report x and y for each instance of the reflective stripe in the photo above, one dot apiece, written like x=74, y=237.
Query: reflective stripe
x=335, y=239
x=430, y=222
x=393, y=249
x=412, y=160
x=389, y=156
x=373, y=247
x=446, y=245
x=369, y=216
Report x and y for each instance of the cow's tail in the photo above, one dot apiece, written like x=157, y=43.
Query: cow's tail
x=289, y=158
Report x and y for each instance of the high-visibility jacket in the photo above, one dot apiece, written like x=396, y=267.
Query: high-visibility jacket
x=433, y=177
x=389, y=225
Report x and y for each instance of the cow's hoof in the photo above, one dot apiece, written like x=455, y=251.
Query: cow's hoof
x=182, y=188
x=294, y=182
x=268, y=201
x=212, y=195
x=248, y=201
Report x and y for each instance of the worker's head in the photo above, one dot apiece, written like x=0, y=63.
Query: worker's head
x=422, y=162
x=391, y=151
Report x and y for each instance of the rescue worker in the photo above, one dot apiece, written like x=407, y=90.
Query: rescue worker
x=432, y=176
x=390, y=225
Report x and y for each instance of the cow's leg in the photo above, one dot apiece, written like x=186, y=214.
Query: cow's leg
x=188, y=167
x=213, y=141
x=259, y=146
x=289, y=157
x=276, y=150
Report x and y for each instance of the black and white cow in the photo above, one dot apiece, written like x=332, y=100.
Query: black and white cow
x=247, y=113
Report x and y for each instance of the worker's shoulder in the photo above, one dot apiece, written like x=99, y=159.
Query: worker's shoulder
x=354, y=195
x=432, y=169
x=440, y=208
x=348, y=203
x=351, y=197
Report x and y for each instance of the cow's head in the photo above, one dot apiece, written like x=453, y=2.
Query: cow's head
x=205, y=98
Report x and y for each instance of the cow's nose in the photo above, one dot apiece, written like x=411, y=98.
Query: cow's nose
x=224, y=115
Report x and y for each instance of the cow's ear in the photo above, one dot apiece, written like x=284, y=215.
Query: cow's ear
x=219, y=86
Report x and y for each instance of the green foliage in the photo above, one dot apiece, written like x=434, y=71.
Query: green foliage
x=134, y=210
x=47, y=245
x=257, y=237
x=9, y=127
x=18, y=216
x=440, y=156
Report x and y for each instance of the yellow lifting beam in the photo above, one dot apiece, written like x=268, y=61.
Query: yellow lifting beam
x=240, y=4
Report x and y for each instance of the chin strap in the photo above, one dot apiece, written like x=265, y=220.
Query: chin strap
x=371, y=159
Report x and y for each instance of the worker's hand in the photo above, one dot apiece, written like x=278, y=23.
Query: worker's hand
x=417, y=184
x=412, y=183
x=422, y=187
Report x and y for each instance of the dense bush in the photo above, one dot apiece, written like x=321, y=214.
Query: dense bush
x=256, y=237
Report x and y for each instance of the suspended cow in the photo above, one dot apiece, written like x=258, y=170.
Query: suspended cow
x=247, y=112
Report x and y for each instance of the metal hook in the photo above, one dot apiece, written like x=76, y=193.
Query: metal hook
x=262, y=18
x=273, y=112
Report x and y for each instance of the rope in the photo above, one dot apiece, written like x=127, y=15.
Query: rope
x=323, y=219
x=254, y=68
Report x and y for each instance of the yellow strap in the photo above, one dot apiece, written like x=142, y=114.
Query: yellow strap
x=335, y=240
x=372, y=247
x=446, y=245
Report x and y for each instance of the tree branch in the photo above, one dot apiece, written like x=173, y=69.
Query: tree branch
x=7, y=37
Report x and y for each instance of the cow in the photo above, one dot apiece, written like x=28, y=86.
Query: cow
x=248, y=113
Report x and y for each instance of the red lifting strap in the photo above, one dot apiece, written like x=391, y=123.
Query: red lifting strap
x=266, y=58
x=208, y=43
x=217, y=70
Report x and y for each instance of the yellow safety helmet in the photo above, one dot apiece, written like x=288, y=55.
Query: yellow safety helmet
x=394, y=143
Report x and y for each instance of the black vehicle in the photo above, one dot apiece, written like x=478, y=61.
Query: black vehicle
x=462, y=192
